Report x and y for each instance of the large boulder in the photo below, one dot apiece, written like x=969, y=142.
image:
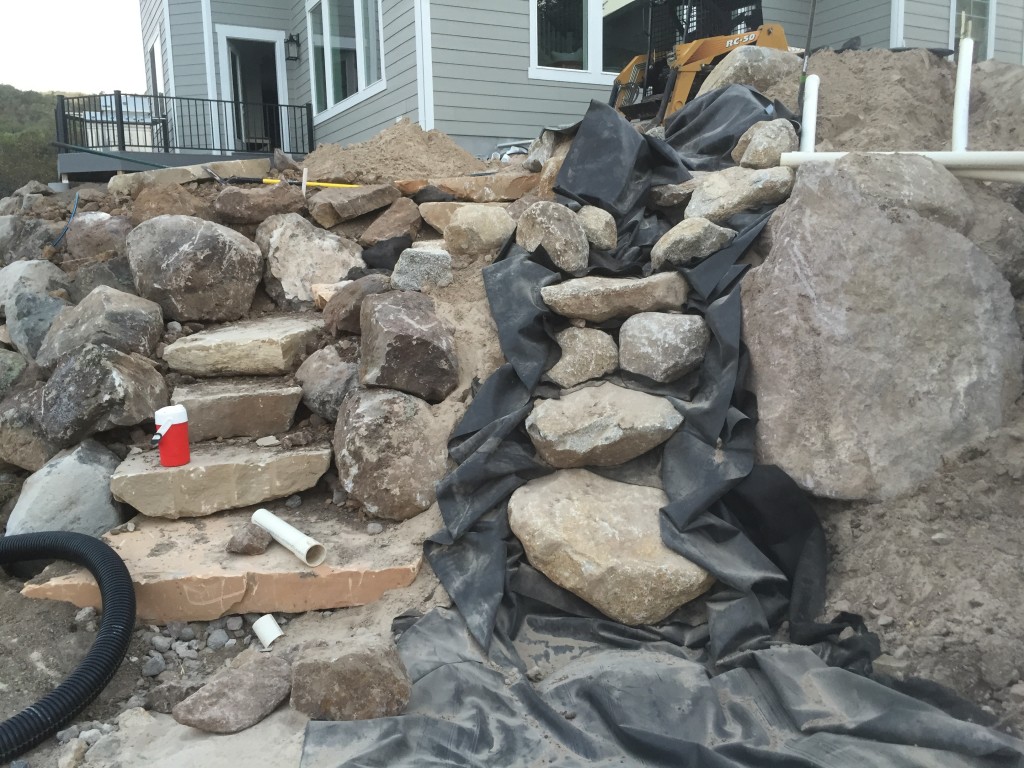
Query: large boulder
x=237, y=205
x=29, y=317
x=762, y=144
x=115, y=273
x=168, y=200
x=71, y=492
x=761, y=68
x=194, y=269
x=106, y=316
x=23, y=442
x=30, y=276
x=222, y=408
x=558, y=231
x=299, y=254
x=406, y=346
x=879, y=338
x=601, y=540
x=390, y=450
x=22, y=237
x=422, y=269
x=599, y=227
x=997, y=227
x=326, y=379
x=96, y=388
x=600, y=426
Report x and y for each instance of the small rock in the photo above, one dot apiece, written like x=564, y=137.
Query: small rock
x=293, y=502
x=885, y=621
x=165, y=696
x=85, y=615
x=174, y=327
x=161, y=643
x=341, y=313
x=661, y=346
x=249, y=540
x=183, y=651
x=477, y=231
x=243, y=694
x=154, y=666
x=374, y=528
x=73, y=754
x=364, y=680
x=234, y=623
x=402, y=219
x=326, y=378
x=941, y=538
x=889, y=665
x=267, y=442
x=422, y=270
x=672, y=195
x=217, y=639
x=91, y=736
x=69, y=733
x=597, y=299
x=1016, y=692
x=763, y=143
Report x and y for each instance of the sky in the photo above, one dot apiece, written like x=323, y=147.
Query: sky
x=81, y=46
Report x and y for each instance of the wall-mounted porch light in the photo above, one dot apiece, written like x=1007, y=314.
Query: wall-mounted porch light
x=291, y=47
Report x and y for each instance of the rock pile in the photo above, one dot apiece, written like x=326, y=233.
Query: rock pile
x=335, y=340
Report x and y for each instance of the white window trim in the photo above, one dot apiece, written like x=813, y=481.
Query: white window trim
x=363, y=93
x=990, y=47
x=593, y=74
x=276, y=36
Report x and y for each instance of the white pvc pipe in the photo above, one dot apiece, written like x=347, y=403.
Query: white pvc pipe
x=308, y=550
x=809, y=128
x=962, y=95
x=984, y=174
x=1012, y=160
x=267, y=629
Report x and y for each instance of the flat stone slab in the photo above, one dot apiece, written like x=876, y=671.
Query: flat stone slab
x=237, y=408
x=269, y=347
x=219, y=476
x=182, y=573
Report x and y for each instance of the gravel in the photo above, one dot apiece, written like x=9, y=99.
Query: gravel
x=154, y=666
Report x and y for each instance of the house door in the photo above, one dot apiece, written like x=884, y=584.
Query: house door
x=254, y=95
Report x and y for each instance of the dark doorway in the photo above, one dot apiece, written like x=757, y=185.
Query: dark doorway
x=257, y=120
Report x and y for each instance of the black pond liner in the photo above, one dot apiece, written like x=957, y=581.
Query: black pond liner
x=526, y=673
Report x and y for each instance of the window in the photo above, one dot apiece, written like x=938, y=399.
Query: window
x=591, y=41
x=156, y=68
x=972, y=20
x=345, y=56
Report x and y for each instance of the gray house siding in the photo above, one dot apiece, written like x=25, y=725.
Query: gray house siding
x=189, y=54
x=926, y=23
x=792, y=15
x=152, y=15
x=1010, y=31
x=482, y=89
x=836, y=21
x=400, y=99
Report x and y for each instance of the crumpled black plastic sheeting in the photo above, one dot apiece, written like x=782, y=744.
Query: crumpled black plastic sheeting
x=614, y=694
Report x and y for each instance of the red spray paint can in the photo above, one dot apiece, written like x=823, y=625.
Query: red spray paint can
x=172, y=435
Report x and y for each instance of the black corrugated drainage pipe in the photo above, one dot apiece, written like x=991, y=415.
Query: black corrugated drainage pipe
x=44, y=718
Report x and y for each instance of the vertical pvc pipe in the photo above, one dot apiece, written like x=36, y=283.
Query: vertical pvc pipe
x=962, y=96
x=810, y=114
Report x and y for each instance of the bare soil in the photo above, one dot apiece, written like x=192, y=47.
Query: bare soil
x=403, y=151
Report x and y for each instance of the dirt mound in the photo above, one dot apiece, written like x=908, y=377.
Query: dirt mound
x=403, y=151
x=884, y=100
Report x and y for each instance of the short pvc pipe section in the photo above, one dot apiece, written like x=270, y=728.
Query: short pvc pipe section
x=52, y=712
x=962, y=94
x=809, y=126
x=307, y=549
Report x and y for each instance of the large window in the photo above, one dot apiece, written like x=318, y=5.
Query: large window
x=972, y=20
x=345, y=56
x=590, y=41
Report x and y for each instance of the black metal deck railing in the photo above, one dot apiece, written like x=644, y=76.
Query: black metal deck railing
x=143, y=123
